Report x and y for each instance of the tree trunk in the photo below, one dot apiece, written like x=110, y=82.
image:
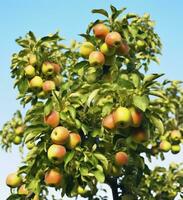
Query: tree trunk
x=112, y=182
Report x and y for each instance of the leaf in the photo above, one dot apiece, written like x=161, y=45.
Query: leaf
x=69, y=156
x=125, y=83
x=157, y=123
x=48, y=107
x=92, y=96
x=115, y=12
x=100, y=11
x=72, y=112
x=32, y=36
x=102, y=159
x=23, y=86
x=150, y=78
x=141, y=102
x=99, y=175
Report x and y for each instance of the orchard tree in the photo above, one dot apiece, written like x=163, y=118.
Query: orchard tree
x=95, y=113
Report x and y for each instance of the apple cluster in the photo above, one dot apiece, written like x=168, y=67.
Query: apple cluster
x=42, y=79
x=13, y=130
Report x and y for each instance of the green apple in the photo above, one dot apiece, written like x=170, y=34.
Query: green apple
x=32, y=59
x=165, y=146
x=13, y=180
x=60, y=135
x=30, y=71
x=175, y=135
x=19, y=130
x=47, y=68
x=96, y=59
x=175, y=148
x=17, y=140
x=86, y=48
x=107, y=50
x=81, y=190
x=36, y=82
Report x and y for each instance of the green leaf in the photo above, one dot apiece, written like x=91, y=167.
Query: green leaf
x=150, y=78
x=92, y=96
x=23, y=86
x=141, y=102
x=99, y=175
x=157, y=123
x=69, y=156
x=125, y=83
x=48, y=107
x=72, y=112
x=100, y=11
x=102, y=159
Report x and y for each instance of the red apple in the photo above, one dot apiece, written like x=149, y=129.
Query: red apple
x=121, y=158
x=48, y=86
x=139, y=135
x=13, y=180
x=136, y=116
x=123, y=49
x=53, y=119
x=113, y=39
x=96, y=59
x=60, y=135
x=53, y=177
x=108, y=121
x=56, y=153
x=74, y=140
x=23, y=190
x=100, y=31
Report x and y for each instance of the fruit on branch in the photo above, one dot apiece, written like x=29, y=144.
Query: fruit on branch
x=36, y=82
x=48, y=86
x=121, y=158
x=139, y=135
x=30, y=71
x=22, y=190
x=60, y=135
x=56, y=153
x=96, y=59
x=165, y=146
x=30, y=145
x=53, y=119
x=123, y=49
x=108, y=121
x=17, y=139
x=107, y=50
x=175, y=135
x=47, y=68
x=122, y=116
x=100, y=31
x=73, y=141
x=175, y=148
x=136, y=117
x=113, y=39
x=53, y=177
x=56, y=68
x=13, y=180
x=20, y=130
x=86, y=48
x=32, y=59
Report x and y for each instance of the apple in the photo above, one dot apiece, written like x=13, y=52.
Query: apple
x=123, y=49
x=48, y=86
x=74, y=140
x=30, y=145
x=113, y=39
x=32, y=59
x=175, y=135
x=121, y=158
x=100, y=31
x=165, y=146
x=110, y=60
x=30, y=71
x=139, y=135
x=108, y=122
x=13, y=180
x=175, y=148
x=20, y=130
x=56, y=153
x=36, y=82
x=57, y=80
x=136, y=117
x=86, y=48
x=122, y=116
x=53, y=119
x=53, y=177
x=107, y=50
x=22, y=190
x=17, y=139
x=56, y=68
x=96, y=59
x=60, y=135
x=47, y=68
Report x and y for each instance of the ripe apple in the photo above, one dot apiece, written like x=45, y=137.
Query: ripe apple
x=17, y=139
x=86, y=48
x=56, y=68
x=36, y=82
x=122, y=116
x=48, y=86
x=175, y=148
x=100, y=31
x=113, y=39
x=136, y=116
x=74, y=140
x=20, y=130
x=56, y=153
x=30, y=71
x=175, y=135
x=139, y=135
x=32, y=59
x=108, y=122
x=107, y=50
x=13, y=180
x=60, y=135
x=53, y=177
x=123, y=49
x=22, y=190
x=165, y=146
x=96, y=59
x=121, y=158
x=53, y=119
x=47, y=68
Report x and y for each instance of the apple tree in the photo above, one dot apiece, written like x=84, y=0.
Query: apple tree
x=95, y=113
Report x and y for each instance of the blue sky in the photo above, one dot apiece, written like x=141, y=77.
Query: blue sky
x=71, y=18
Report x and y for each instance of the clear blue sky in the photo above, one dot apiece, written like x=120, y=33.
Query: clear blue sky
x=71, y=17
